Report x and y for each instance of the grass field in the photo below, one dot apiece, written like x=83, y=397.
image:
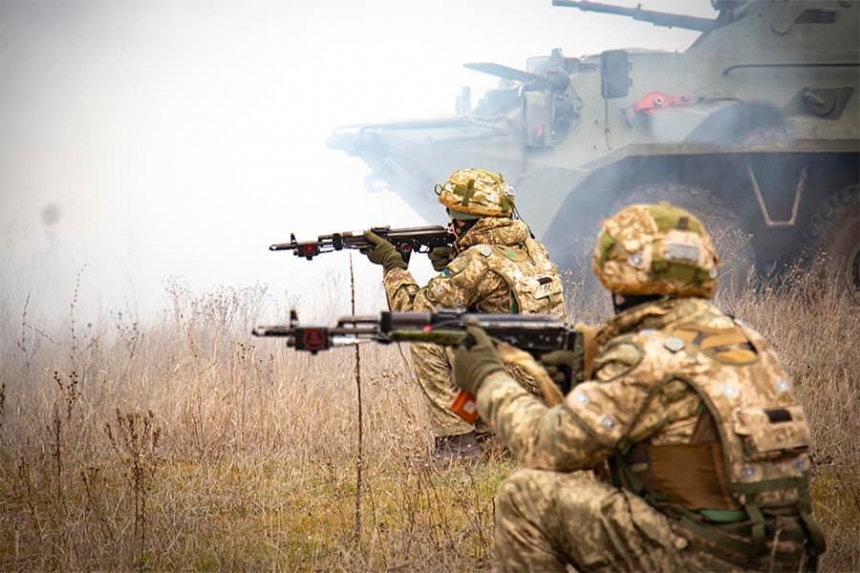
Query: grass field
x=187, y=444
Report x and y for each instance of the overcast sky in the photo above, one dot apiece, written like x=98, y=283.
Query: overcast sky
x=147, y=140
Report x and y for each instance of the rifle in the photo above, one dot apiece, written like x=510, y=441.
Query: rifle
x=534, y=334
x=406, y=241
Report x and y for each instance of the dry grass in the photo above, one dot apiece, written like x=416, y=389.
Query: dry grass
x=187, y=444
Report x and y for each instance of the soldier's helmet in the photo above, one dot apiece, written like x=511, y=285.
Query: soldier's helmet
x=475, y=193
x=656, y=250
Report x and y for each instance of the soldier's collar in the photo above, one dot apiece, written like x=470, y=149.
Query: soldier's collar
x=483, y=232
x=654, y=315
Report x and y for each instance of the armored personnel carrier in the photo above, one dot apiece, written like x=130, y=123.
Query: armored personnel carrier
x=755, y=127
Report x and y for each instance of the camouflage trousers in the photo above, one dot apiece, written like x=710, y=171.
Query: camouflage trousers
x=547, y=520
x=433, y=366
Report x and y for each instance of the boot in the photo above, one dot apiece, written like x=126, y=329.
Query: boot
x=459, y=448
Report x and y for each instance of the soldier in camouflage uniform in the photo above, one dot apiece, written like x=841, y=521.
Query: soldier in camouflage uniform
x=687, y=411
x=494, y=266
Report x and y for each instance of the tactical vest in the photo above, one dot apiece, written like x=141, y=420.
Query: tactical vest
x=532, y=279
x=744, y=477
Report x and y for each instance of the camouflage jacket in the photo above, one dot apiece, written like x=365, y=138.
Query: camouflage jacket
x=695, y=415
x=636, y=393
x=499, y=268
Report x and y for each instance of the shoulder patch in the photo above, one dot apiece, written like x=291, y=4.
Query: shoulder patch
x=516, y=255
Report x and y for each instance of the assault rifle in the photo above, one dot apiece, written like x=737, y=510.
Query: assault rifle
x=406, y=241
x=534, y=334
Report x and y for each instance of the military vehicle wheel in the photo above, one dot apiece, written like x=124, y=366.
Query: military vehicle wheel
x=835, y=232
x=737, y=257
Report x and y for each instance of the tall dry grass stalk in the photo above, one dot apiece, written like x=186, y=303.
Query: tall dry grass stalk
x=359, y=460
x=187, y=444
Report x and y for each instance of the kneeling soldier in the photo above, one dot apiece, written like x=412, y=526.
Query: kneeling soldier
x=494, y=266
x=705, y=442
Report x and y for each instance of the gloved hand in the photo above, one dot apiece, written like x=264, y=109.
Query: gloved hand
x=474, y=362
x=562, y=365
x=383, y=253
x=440, y=257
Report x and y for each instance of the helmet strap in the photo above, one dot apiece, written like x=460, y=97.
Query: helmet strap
x=462, y=226
x=516, y=216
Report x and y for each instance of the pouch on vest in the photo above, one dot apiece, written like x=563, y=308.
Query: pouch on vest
x=769, y=434
x=533, y=288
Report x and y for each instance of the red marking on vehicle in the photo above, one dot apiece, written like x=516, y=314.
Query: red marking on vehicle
x=653, y=101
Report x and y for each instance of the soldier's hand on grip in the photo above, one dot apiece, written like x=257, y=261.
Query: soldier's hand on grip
x=474, y=361
x=383, y=253
x=440, y=257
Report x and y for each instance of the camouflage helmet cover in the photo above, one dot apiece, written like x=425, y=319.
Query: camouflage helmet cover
x=476, y=192
x=656, y=250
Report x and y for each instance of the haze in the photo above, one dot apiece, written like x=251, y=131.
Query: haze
x=144, y=141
